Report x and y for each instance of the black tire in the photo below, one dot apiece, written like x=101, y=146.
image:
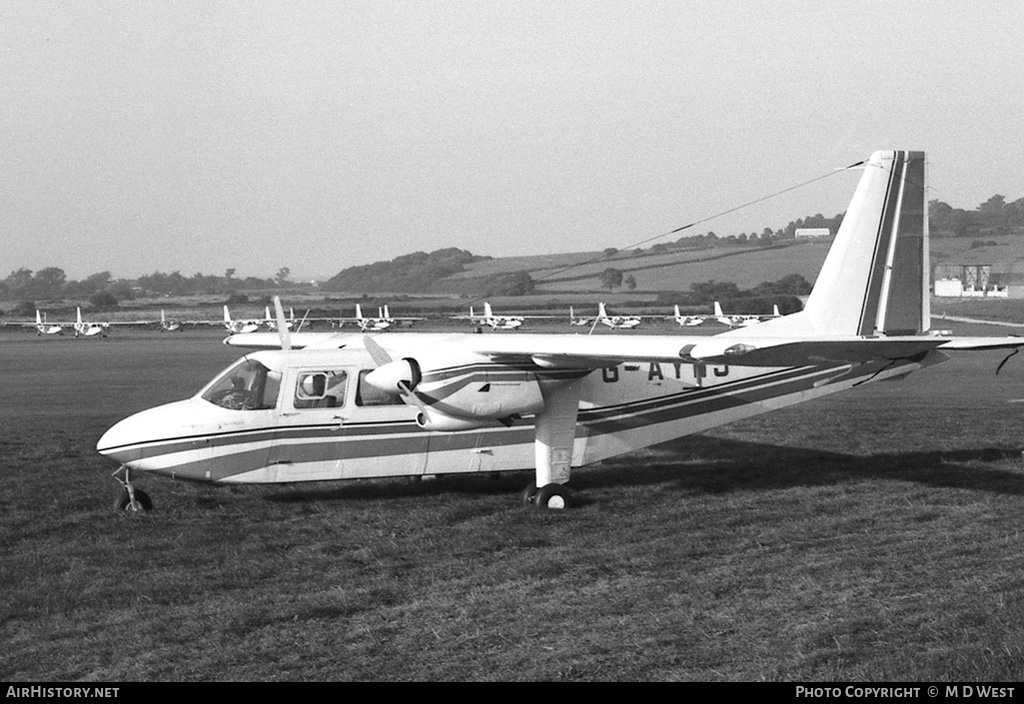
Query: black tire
x=529, y=492
x=141, y=497
x=552, y=496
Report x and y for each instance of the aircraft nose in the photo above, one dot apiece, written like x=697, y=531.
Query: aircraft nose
x=126, y=440
x=117, y=442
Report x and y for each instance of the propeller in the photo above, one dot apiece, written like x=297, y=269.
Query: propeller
x=282, y=327
x=391, y=375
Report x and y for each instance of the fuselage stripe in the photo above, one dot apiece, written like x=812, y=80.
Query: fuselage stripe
x=387, y=437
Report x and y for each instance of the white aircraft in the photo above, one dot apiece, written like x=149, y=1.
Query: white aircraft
x=496, y=322
x=236, y=327
x=44, y=328
x=271, y=323
x=618, y=322
x=169, y=325
x=740, y=321
x=86, y=329
x=578, y=322
x=352, y=405
x=382, y=322
x=687, y=321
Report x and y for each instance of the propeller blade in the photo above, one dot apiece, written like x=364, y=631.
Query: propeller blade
x=282, y=326
x=378, y=354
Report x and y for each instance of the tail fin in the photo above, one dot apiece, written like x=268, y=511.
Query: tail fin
x=39, y=318
x=677, y=312
x=601, y=311
x=487, y=310
x=718, y=310
x=875, y=277
x=227, y=316
x=359, y=312
x=79, y=315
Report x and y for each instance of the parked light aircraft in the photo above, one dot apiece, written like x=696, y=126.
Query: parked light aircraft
x=81, y=327
x=496, y=322
x=86, y=329
x=740, y=321
x=687, y=321
x=578, y=322
x=623, y=322
x=236, y=327
x=346, y=406
x=44, y=328
x=169, y=325
x=271, y=323
x=382, y=322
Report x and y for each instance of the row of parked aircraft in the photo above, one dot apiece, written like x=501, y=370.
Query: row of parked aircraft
x=336, y=405
x=80, y=327
x=385, y=321
x=621, y=322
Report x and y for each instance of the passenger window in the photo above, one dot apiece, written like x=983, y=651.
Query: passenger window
x=367, y=395
x=320, y=389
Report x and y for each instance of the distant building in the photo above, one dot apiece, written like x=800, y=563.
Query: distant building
x=812, y=232
x=995, y=271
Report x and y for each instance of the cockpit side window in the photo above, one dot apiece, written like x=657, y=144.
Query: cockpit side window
x=320, y=389
x=367, y=395
x=247, y=386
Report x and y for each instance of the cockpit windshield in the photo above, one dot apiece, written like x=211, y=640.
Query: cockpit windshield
x=246, y=386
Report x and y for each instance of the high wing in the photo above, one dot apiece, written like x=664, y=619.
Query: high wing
x=870, y=302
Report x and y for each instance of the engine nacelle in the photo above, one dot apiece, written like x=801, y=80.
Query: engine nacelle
x=480, y=390
x=469, y=387
x=432, y=420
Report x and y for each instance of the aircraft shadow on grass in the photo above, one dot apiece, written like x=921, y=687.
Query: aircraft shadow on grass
x=702, y=465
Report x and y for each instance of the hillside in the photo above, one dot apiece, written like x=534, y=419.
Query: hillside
x=459, y=272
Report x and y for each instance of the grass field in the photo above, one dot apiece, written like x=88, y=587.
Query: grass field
x=676, y=270
x=875, y=536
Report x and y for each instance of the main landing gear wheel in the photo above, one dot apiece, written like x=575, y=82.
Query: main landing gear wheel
x=529, y=492
x=141, y=503
x=550, y=496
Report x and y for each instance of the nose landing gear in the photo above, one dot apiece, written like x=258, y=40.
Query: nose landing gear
x=130, y=499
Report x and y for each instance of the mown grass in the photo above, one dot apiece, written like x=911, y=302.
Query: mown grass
x=872, y=536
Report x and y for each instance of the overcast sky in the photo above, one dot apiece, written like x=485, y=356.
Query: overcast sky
x=198, y=135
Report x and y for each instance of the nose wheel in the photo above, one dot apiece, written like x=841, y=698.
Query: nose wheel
x=130, y=500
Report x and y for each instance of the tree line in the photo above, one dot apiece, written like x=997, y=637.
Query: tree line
x=993, y=217
x=102, y=290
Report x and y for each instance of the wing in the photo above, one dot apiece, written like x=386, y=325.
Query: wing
x=782, y=352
